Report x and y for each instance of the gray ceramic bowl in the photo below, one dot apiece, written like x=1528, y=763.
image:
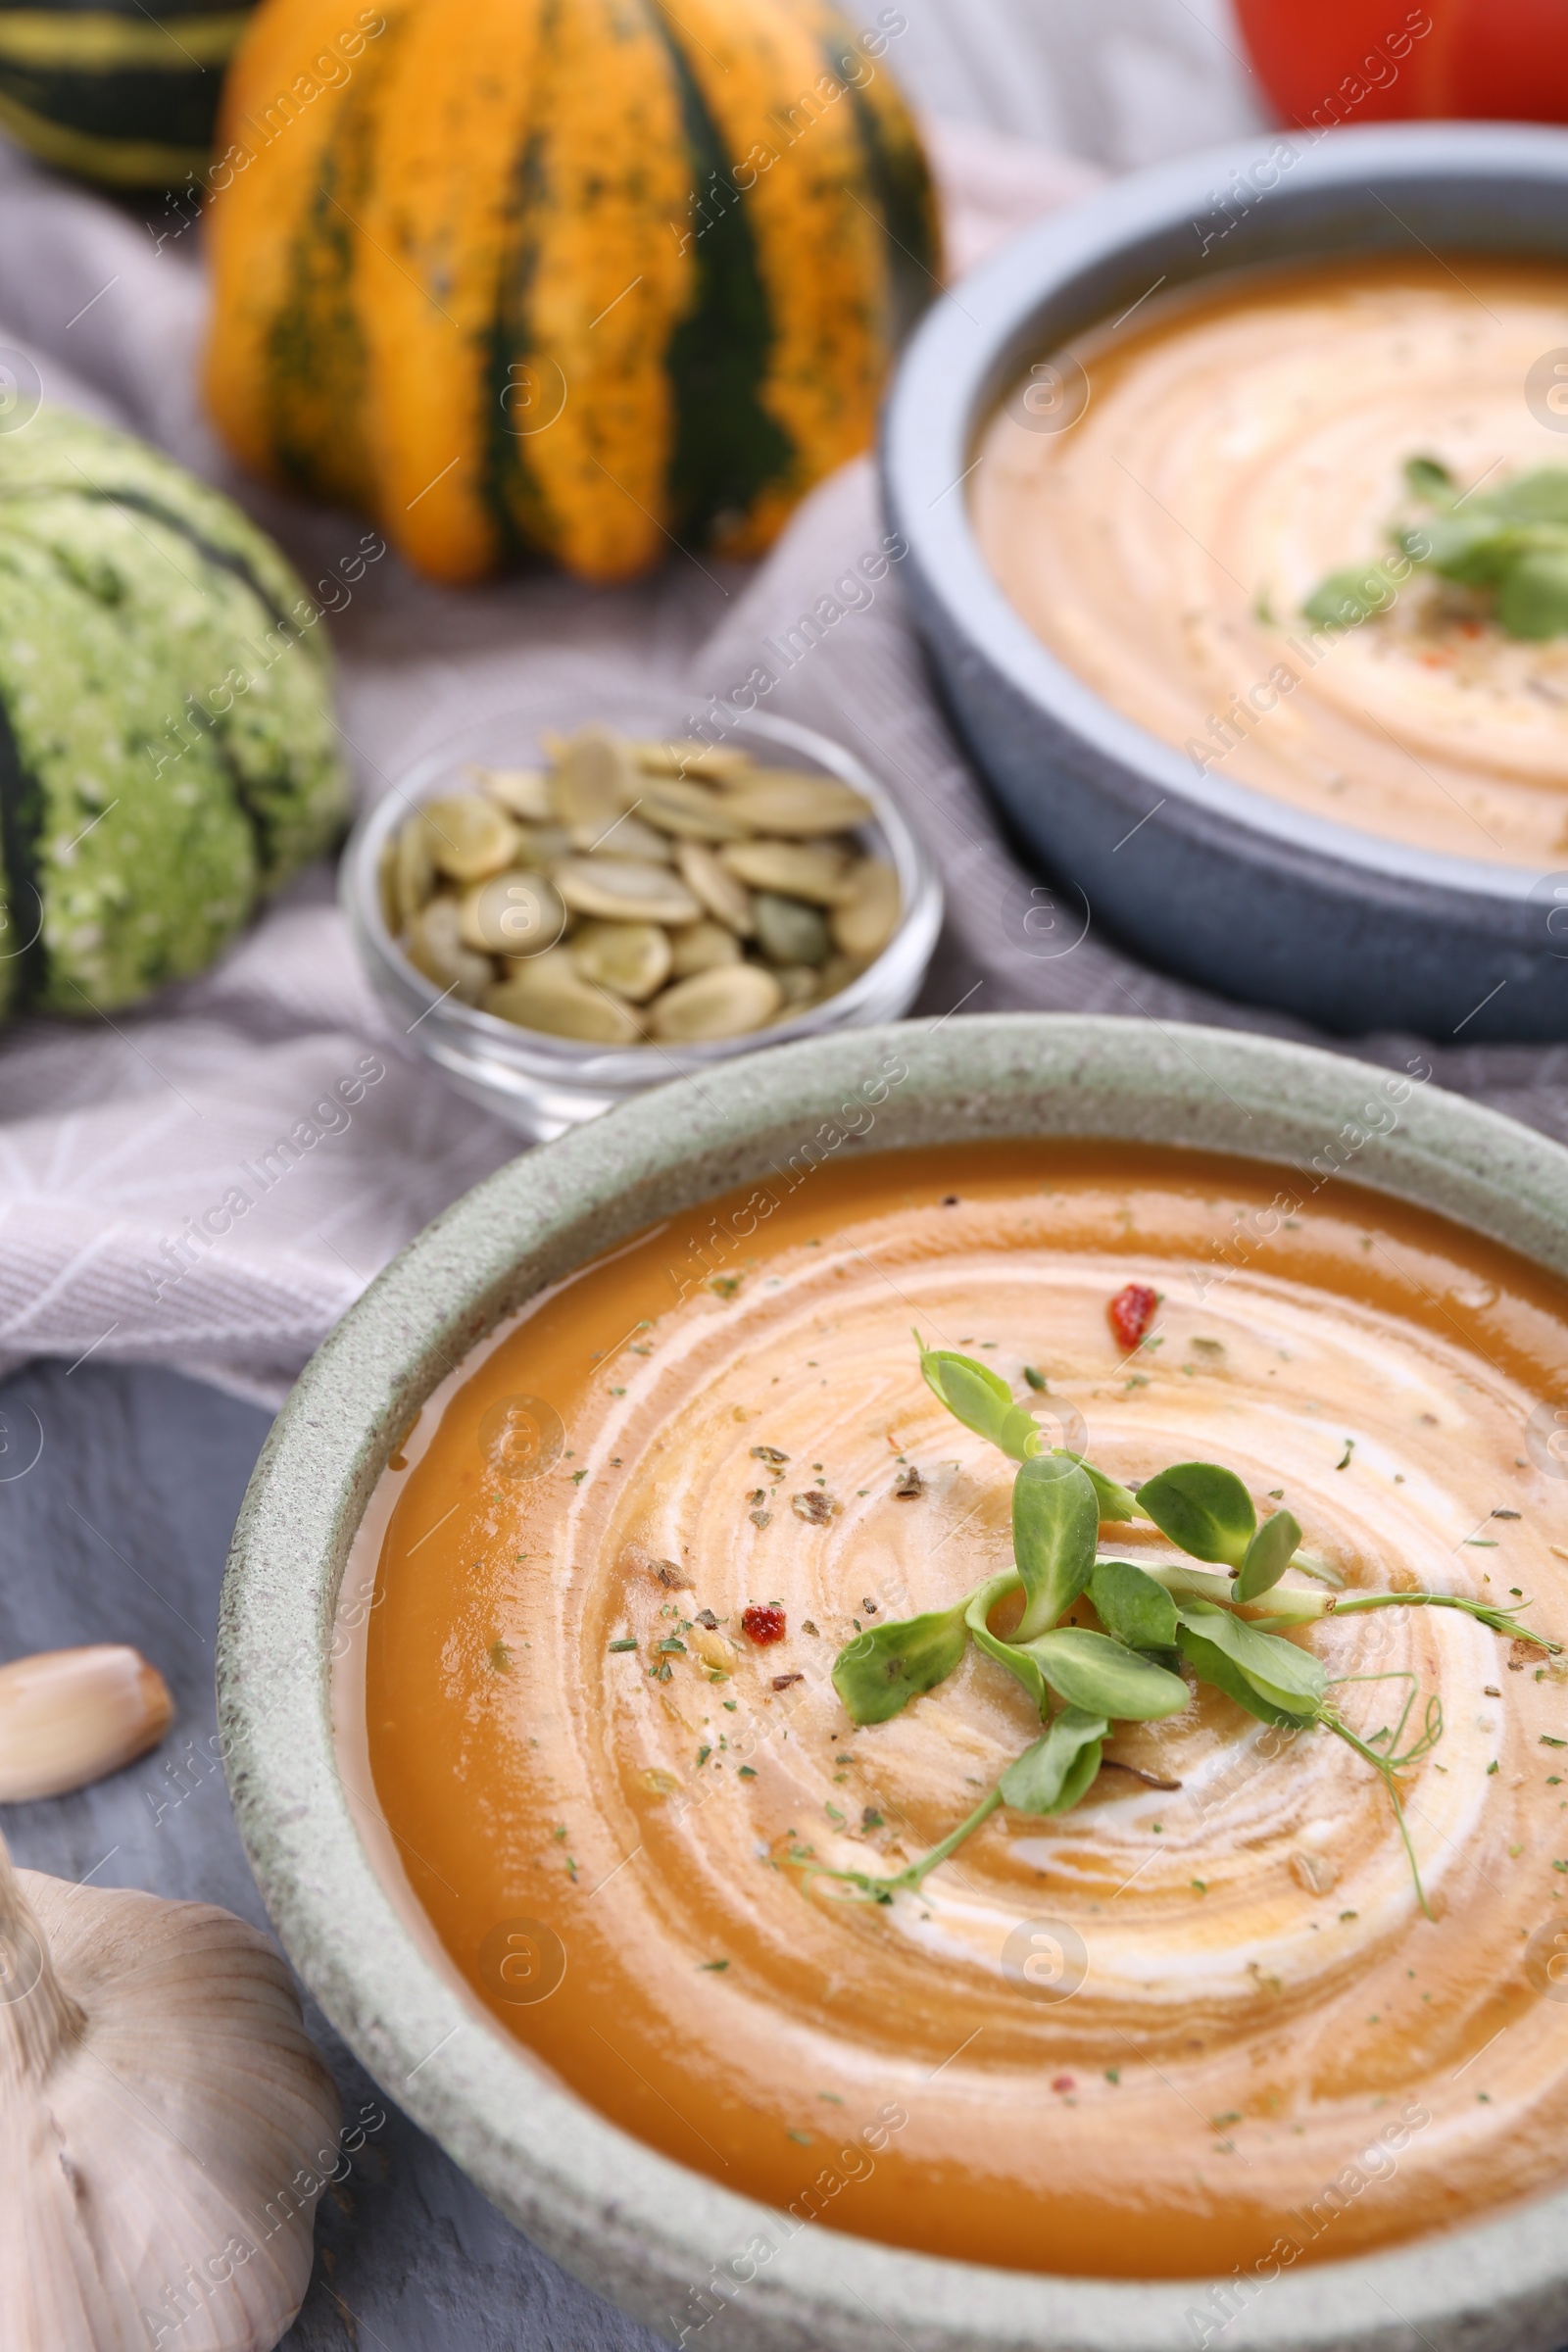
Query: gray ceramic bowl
x=1219, y=882
x=633, y=2224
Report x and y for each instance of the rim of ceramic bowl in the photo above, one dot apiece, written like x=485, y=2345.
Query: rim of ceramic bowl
x=633, y=2224
x=885, y=988
x=968, y=349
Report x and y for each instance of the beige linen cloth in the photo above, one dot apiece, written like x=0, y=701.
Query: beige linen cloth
x=114, y=1135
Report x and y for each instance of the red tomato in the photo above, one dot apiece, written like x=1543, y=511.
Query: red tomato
x=1379, y=61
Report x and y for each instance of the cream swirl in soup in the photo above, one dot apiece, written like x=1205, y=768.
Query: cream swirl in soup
x=1239, y=447
x=1199, y=2022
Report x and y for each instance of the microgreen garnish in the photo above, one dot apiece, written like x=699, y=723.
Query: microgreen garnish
x=1151, y=1620
x=1512, y=542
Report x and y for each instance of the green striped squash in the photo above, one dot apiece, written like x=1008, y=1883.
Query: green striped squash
x=598, y=280
x=114, y=91
x=168, y=751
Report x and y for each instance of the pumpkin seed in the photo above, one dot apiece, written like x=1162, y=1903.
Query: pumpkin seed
x=838, y=971
x=791, y=868
x=627, y=837
x=727, y=901
x=788, y=931
x=469, y=837
x=725, y=1002
x=523, y=791
x=542, y=846
x=688, y=758
x=625, y=890
x=799, y=983
x=864, y=923
x=546, y=993
x=631, y=959
x=416, y=870
x=433, y=945
x=387, y=885
x=780, y=803
x=594, y=781
x=698, y=947
x=511, y=914
x=692, y=811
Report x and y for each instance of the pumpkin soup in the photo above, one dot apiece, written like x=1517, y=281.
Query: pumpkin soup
x=1226, y=454
x=702, y=1711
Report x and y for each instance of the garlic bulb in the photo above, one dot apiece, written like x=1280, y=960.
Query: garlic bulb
x=164, y=2125
x=68, y=1716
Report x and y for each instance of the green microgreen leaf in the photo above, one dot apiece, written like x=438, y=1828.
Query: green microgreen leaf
x=1269, y=1556
x=1539, y=496
x=980, y=1399
x=1105, y=1677
x=1514, y=540
x=1133, y=1606
x=1347, y=598
x=1018, y=1662
x=1051, y=1775
x=1429, y=479
x=1206, y=1510
x=1212, y=1665
x=1287, y=1678
x=1533, y=596
x=1055, y=1525
x=882, y=1669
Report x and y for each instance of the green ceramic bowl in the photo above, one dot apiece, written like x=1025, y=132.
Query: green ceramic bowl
x=641, y=2229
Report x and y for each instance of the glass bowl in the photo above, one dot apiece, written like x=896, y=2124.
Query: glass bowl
x=542, y=1085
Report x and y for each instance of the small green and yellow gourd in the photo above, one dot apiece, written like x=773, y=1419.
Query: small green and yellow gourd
x=168, y=751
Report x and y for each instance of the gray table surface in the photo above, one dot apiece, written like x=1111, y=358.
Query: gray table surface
x=118, y=1487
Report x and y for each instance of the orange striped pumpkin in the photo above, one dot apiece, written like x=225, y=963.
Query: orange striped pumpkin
x=584, y=278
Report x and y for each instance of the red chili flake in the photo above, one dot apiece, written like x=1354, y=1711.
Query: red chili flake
x=1131, y=1312
x=762, y=1624
x=1063, y=2083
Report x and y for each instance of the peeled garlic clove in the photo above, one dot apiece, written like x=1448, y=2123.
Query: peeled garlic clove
x=468, y=835
x=68, y=1716
x=726, y=900
x=549, y=994
x=625, y=890
x=799, y=804
x=631, y=959
x=700, y=947
x=866, y=922
x=725, y=1002
x=791, y=868
x=595, y=780
x=166, y=2127
x=510, y=915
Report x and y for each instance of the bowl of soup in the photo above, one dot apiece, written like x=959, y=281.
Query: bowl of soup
x=1133, y=455
x=533, y=1680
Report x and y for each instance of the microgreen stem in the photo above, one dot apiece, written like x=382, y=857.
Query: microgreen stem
x=1386, y=1767
x=1501, y=1621
x=882, y=1891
